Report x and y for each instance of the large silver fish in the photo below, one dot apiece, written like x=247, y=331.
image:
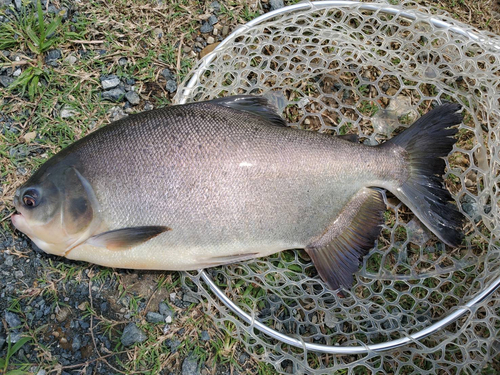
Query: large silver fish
x=203, y=184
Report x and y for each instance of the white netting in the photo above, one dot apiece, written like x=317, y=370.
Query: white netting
x=362, y=69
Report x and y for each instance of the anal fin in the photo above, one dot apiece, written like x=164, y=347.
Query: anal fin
x=338, y=252
x=228, y=259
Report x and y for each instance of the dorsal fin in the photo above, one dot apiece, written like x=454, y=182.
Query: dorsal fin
x=258, y=105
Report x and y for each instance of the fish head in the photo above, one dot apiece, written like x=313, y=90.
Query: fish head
x=56, y=210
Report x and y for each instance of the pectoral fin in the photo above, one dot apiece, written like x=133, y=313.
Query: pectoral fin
x=126, y=238
x=337, y=254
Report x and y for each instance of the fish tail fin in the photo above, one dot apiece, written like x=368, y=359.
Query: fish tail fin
x=426, y=143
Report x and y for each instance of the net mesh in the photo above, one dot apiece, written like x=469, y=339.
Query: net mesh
x=371, y=72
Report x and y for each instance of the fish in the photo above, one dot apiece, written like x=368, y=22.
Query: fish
x=204, y=184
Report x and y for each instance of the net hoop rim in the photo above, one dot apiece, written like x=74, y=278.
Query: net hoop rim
x=193, y=81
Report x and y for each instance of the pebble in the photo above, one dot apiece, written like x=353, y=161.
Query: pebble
x=186, y=49
x=62, y=314
x=132, y=97
x=212, y=20
x=132, y=334
x=2, y=341
x=165, y=310
x=6, y=81
x=123, y=61
x=18, y=4
x=153, y=317
x=215, y=6
x=71, y=60
x=172, y=297
x=190, y=365
x=77, y=343
x=225, y=30
x=114, y=94
x=168, y=319
x=243, y=358
x=53, y=54
x=167, y=74
x=18, y=274
x=210, y=40
x=276, y=4
x=67, y=112
x=204, y=336
x=171, y=86
x=190, y=297
x=109, y=82
x=17, y=72
x=12, y=319
x=206, y=27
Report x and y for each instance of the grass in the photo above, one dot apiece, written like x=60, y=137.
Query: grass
x=122, y=29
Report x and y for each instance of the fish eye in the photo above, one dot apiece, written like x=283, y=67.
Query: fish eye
x=30, y=198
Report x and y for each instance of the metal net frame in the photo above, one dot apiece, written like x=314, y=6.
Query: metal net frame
x=371, y=69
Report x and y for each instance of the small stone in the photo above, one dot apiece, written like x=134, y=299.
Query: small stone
x=123, y=61
x=204, y=336
x=148, y=106
x=77, y=343
x=275, y=4
x=186, y=49
x=243, y=358
x=6, y=81
x=62, y=314
x=109, y=82
x=132, y=334
x=166, y=311
x=18, y=274
x=190, y=365
x=168, y=319
x=172, y=297
x=206, y=27
x=12, y=319
x=132, y=97
x=28, y=137
x=153, y=317
x=15, y=337
x=41, y=372
x=225, y=30
x=190, y=297
x=212, y=20
x=53, y=54
x=171, y=86
x=17, y=72
x=215, y=6
x=216, y=31
x=83, y=306
x=67, y=112
x=71, y=60
x=210, y=40
x=158, y=33
x=18, y=4
x=114, y=95
x=2, y=341
x=167, y=73
x=115, y=114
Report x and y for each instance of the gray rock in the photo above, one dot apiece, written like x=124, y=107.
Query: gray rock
x=14, y=337
x=148, y=106
x=17, y=72
x=9, y=261
x=215, y=6
x=212, y=20
x=132, y=334
x=243, y=358
x=53, y=54
x=204, y=336
x=12, y=319
x=166, y=311
x=190, y=297
x=167, y=73
x=71, y=60
x=77, y=343
x=116, y=113
x=190, y=365
x=114, y=95
x=67, y=112
x=171, y=86
x=276, y=4
x=109, y=82
x=206, y=27
x=18, y=4
x=154, y=317
x=6, y=81
x=123, y=61
x=210, y=40
x=19, y=274
x=132, y=97
x=2, y=341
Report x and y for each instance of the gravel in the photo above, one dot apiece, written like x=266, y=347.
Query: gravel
x=6, y=81
x=132, y=334
x=276, y=4
x=154, y=317
x=171, y=86
x=206, y=27
x=12, y=319
x=132, y=97
x=109, y=82
x=190, y=365
x=114, y=95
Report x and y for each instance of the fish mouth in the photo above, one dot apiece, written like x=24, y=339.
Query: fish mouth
x=19, y=222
